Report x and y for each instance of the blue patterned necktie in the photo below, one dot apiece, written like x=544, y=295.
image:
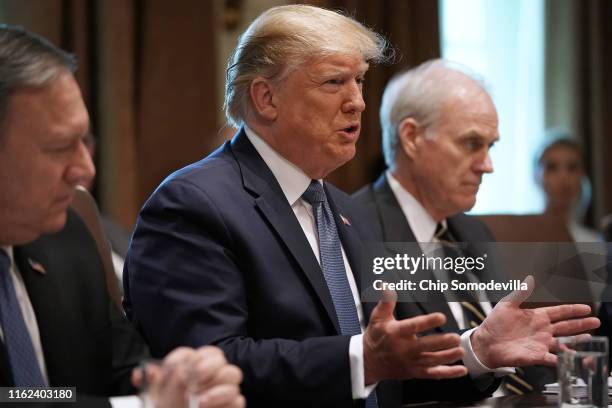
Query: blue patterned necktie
x=332, y=265
x=26, y=371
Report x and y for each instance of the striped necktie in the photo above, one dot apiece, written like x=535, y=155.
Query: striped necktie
x=22, y=358
x=332, y=265
x=474, y=313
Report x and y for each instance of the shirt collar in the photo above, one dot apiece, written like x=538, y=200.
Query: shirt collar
x=292, y=180
x=8, y=250
x=421, y=223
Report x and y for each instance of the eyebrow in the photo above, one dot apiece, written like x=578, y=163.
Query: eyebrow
x=474, y=134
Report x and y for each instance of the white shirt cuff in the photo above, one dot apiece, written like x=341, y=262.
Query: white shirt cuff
x=473, y=364
x=132, y=401
x=359, y=390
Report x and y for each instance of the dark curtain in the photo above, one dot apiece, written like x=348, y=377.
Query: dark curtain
x=412, y=28
x=147, y=78
x=579, y=86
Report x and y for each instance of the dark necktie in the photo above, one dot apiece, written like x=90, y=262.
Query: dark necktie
x=332, y=265
x=25, y=368
x=473, y=311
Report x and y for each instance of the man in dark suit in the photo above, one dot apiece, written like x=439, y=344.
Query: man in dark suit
x=58, y=325
x=249, y=250
x=438, y=126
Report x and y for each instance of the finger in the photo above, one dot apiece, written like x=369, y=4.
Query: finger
x=440, y=357
x=204, y=369
x=557, y=346
x=178, y=356
x=575, y=326
x=219, y=396
x=413, y=325
x=384, y=308
x=517, y=297
x=562, y=312
x=137, y=377
x=441, y=371
x=239, y=402
x=549, y=359
x=228, y=374
x=437, y=342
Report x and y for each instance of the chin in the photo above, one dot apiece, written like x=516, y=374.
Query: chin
x=466, y=204
x=55, y=224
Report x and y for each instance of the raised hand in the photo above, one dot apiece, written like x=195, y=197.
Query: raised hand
x=513, y=337
x=393, y=348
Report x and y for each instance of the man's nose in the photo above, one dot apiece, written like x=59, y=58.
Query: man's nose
x=82, y=169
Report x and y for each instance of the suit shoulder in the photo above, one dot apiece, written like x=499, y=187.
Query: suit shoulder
x=215, y=175
x=365, y=195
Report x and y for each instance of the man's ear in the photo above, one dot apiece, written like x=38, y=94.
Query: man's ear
x=262, y=96
x=408, y=133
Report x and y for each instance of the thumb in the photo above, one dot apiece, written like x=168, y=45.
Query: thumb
x=384, y=308
x=519, y=296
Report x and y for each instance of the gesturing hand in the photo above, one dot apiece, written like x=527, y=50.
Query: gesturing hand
x=513, y=337
x=393, y=350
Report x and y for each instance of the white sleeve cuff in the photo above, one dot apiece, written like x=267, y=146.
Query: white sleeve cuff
x=360, y=391
x=473, y=364
x=132, y=401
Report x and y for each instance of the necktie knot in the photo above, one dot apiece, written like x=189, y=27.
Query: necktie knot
x=443, y=234
x=314, y=194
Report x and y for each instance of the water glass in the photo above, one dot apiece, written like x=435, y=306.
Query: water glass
x=582, y=369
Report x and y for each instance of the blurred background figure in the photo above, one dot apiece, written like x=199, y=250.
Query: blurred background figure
x=561, y=175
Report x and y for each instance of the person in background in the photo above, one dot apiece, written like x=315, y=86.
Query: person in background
x=561, y=174
x=58, y=324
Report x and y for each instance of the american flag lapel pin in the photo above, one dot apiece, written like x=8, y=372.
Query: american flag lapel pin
x=37, y=266
x=345, y=220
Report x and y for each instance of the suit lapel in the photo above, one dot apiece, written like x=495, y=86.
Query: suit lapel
x=43, y=292
x=395, y=228
x=269, y=198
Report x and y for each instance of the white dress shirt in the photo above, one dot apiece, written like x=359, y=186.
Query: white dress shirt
x=27, y=311
x=294, y=182
x=424, y=226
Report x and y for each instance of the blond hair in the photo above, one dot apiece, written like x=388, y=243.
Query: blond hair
x=283, y=38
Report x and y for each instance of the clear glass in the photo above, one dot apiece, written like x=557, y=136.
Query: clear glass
x=582, y=368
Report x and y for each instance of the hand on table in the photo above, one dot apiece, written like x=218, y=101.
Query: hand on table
x=203, y=375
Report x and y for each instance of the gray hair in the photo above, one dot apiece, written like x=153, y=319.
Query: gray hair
x=420, y=93
x=285, y=37
x=27, y=60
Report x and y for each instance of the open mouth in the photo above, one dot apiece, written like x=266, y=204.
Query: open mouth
x=351, y=129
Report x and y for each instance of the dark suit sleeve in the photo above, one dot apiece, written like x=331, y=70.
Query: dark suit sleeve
x=187, y=284
x=129, y=350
